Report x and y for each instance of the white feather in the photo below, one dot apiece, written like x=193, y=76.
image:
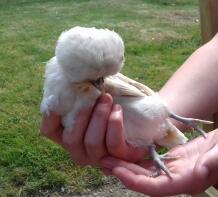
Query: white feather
x=83, y=55
x=89, y=53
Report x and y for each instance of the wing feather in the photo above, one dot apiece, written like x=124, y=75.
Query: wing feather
x=143, y=88
x=120, y=85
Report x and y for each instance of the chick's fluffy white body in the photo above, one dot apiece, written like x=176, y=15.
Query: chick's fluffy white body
x=84, y=55
x=145, y=116
x=66, y=98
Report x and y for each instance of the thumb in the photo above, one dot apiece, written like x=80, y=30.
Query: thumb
x=207, y=166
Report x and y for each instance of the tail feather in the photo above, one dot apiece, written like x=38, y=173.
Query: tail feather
x=173, y=138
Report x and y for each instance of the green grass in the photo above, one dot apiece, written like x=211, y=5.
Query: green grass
x=159, y=35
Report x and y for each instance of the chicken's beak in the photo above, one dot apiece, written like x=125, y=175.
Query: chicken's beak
x=99, y=84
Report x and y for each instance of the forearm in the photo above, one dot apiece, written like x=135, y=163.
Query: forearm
x=193, y=90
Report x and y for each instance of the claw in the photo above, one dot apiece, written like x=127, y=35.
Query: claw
x=167, y=157
x=158, y=160
x=202, y=121
x=201, y=131
x=191, y=122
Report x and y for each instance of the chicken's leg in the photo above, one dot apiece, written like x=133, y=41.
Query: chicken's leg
x=158, y=160
x=191, y=122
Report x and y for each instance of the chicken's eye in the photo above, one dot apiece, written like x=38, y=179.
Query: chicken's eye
x=99, y=83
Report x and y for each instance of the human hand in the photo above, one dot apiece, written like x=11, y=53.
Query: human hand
x=195, y=169
x=98, y=133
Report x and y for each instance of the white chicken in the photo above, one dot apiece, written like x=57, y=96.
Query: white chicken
x=86, y=64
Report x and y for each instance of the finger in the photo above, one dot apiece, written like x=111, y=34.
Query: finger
x=111, y=162
x=137, y=178
x=51, y=127
x=159, y=186
x=115, y=138
x=205, y=169
x=75, y=138
x=95, y=136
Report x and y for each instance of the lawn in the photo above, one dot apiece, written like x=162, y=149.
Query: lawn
x=158, y=34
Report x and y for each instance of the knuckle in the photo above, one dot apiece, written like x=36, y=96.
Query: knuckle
x=95, y=150
x=72, y=138
x=102, y=111
x=91, y=144
x=75, y=144
x=99, y=113
x=113, y=147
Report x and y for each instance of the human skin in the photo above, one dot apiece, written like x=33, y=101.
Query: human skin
x=191, y=92
x=194, y=170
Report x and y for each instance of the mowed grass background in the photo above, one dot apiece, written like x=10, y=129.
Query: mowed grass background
x=158, y=34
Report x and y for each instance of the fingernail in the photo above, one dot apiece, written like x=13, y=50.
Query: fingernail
x=104, y=99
